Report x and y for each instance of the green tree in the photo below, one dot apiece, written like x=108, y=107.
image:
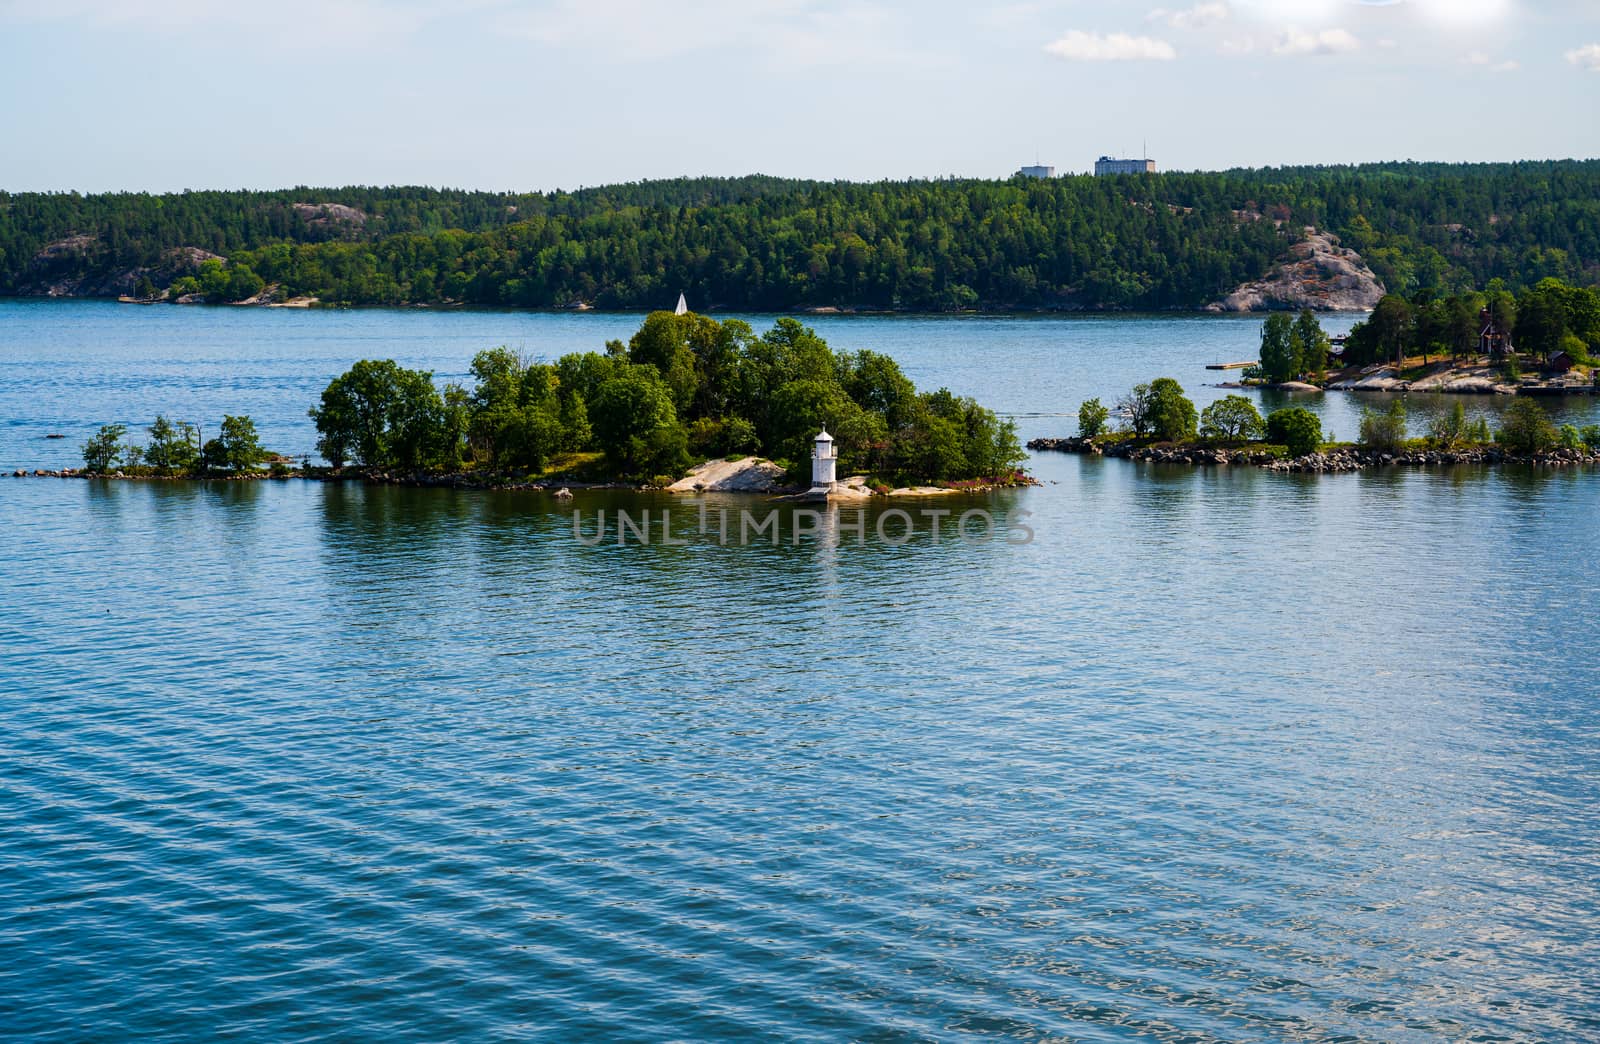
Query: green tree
x=664, y=341
x=1311, y=343
x=876, y=383
x=1280, y=355
x=381, y=415
x=1542, y=323
x=1092, y=419
x=636, y=425
x=801, y=408
x=1232, y=418
x=1393, y=324
x=515, y=414
x=172, y=447
x=104, y=451
x=1297, y=428
x=1526, y=429
x=236, y=448
x=1172, y=415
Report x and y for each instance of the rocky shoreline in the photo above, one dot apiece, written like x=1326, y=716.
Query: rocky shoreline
x=1331, y=462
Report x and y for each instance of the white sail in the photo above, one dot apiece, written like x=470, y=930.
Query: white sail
x=683, y=306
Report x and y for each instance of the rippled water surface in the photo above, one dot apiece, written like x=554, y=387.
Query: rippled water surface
x=1221, y=755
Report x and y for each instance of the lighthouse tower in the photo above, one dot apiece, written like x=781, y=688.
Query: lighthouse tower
x=824, y=464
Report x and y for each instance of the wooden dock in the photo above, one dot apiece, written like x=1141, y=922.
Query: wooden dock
x=1233, y=366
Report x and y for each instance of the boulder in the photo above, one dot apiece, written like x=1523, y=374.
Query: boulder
x=745, y=475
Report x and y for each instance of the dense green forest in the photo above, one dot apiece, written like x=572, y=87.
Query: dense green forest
x=1142, y=241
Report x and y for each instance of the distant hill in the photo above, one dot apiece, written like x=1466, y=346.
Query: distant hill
x=1166, y=241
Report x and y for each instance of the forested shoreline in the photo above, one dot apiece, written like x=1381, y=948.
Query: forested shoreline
x=1169, y=241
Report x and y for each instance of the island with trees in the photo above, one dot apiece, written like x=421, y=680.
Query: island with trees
x=1157, y=423
x=1543, y=341
x=685, y=388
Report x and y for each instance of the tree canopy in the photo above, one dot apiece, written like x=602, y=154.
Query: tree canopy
x=682, y=385
x=1168, y=241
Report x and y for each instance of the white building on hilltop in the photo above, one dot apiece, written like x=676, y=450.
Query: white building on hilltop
x=1106, y=165
x=1037, y=172
x=824, y=464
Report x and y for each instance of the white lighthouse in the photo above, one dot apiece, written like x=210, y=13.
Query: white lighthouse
x=824, y=464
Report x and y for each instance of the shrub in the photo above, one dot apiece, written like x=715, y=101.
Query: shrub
x=1296, y=428
x=1591, y=436
x=1386, y=431
x=1092, y=418
x=1449, y=430
x=1527, y=429
x=1571, y=437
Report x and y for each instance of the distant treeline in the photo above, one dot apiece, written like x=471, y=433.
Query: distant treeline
x=1133, y=242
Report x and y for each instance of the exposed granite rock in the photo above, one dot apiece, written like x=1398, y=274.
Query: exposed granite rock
x=1318, y=274
x=67, y=268
x=334, y=217
x=745, y=475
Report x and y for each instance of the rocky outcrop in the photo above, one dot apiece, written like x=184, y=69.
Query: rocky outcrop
x=1469, y=379
x=330, y=217
x=1318, y=274
x=71, y=267
x=745, y=475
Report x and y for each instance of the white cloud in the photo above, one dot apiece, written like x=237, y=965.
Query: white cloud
x=1197, y=17
x=1079, y=46
x=1587, y=57
x=1326, y=41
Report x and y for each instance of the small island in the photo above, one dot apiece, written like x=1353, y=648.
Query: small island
x=1490, y=342
x=1161, y=425
x=688, y=404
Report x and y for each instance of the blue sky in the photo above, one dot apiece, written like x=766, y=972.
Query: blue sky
x=501, y=94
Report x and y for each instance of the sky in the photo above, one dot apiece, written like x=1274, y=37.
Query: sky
x=163, y=95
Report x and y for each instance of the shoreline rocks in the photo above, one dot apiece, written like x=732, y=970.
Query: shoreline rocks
x=1332, y=462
